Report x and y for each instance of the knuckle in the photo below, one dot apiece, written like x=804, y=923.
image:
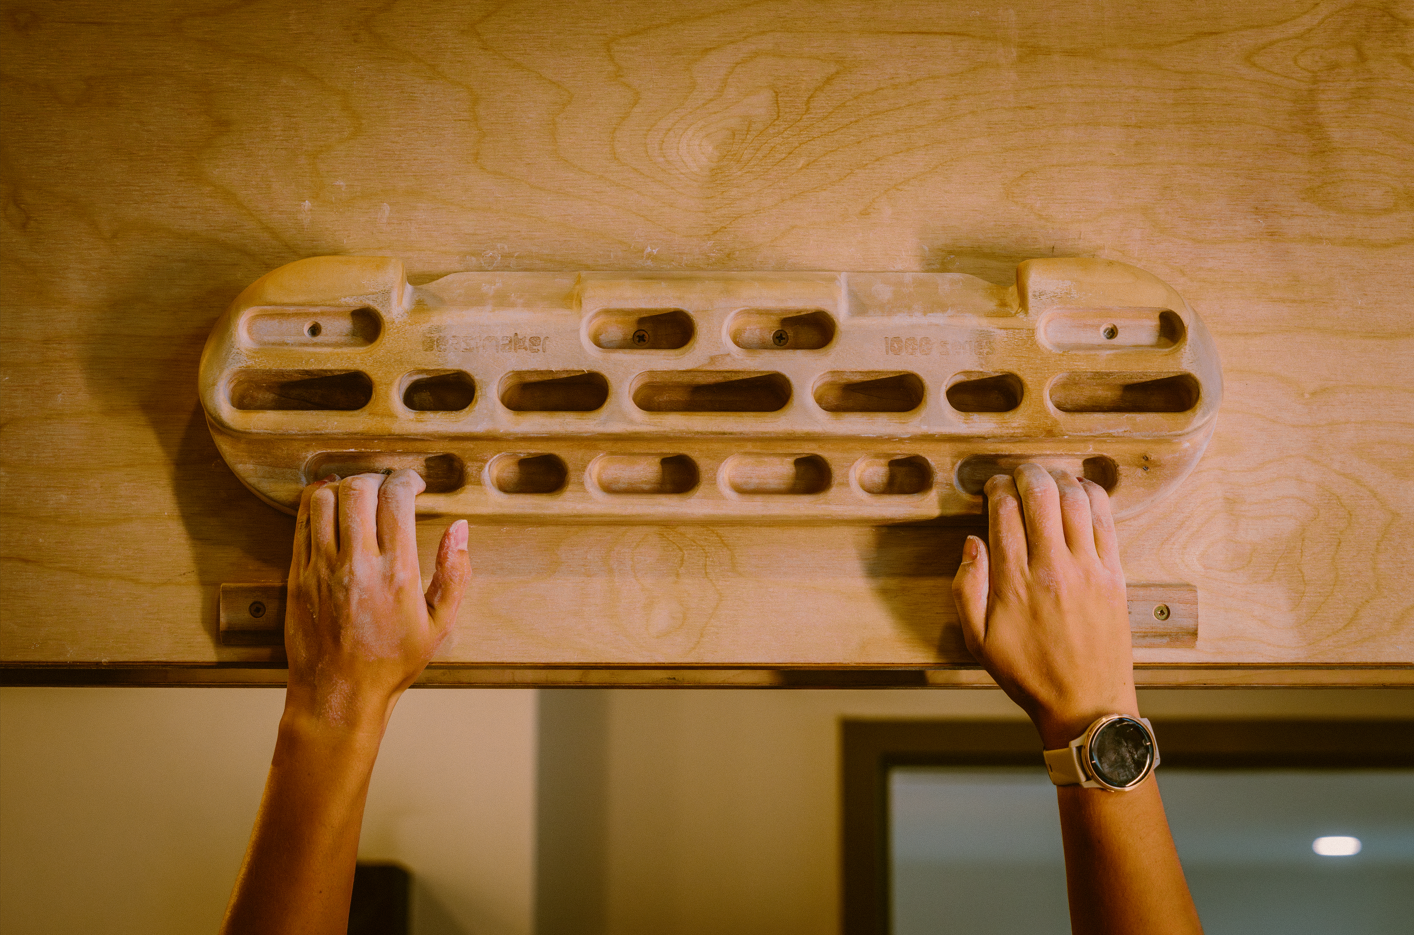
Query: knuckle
x=404, y=578
x=397, y=482
x=1047, y=582
x=364, y=483
x=1007, y=593
x=401, y=482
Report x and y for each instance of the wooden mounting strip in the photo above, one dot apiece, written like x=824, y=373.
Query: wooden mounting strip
x=827, y=398
x=1160, y=615
x=252, y=614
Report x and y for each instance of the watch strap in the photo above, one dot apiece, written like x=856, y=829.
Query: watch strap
x=1063, y=765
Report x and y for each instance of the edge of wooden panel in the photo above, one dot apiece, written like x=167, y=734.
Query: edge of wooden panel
x=1316, y=676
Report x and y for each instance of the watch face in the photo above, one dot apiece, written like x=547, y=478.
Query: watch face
x=1121, y=752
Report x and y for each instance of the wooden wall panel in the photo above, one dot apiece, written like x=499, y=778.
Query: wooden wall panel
x=158, y=157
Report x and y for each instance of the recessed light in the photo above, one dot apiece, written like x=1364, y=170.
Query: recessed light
x=1336, y=846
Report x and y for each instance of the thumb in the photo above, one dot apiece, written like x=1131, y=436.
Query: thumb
x=969, y=591
x=444, y=594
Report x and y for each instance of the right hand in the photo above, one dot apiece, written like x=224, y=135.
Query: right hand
x=1043, y=606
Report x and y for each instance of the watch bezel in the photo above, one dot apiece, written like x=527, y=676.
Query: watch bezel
x=1087, y=762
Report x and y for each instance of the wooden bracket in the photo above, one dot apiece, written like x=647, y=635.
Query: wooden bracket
x=252, y=614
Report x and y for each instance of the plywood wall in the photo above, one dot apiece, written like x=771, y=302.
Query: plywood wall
x=161, y=156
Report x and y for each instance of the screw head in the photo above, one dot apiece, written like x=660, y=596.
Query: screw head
x=781, y=338
x=1110, y=332
x=313, y=329
x=1161, y=612
x=257, y=609
x=640, y=337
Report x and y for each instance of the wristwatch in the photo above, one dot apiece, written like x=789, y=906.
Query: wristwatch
x=1117, y=753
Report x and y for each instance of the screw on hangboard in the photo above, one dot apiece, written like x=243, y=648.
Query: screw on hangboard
x=1161, y=612
x=257, y=609
x=1110, y=332
x=780, y=338
x=640, y=338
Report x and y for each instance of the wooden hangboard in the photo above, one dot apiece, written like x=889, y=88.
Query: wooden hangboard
x=786, y=398
x=160, y=158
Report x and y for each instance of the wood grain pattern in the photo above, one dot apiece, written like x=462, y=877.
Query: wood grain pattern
x=159, y=157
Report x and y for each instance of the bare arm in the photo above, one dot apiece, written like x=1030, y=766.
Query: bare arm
x=358, y=630
x=1043, y=609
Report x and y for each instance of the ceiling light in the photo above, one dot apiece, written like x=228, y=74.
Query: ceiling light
x=1336, y=846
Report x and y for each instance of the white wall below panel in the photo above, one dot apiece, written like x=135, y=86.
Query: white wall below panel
x=453, y=799
x=127, y=810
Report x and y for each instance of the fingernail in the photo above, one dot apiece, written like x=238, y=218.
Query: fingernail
x=459, y=535
x=970, y=548
x=330, y=479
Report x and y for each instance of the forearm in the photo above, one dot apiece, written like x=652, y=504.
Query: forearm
x=359, y=628
x=298, y=872
x=1121, y=869
x=1043, y=608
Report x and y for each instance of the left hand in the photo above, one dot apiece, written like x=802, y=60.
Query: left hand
x=359, y=628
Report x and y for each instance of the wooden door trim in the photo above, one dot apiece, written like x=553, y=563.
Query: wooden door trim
x=870, y=748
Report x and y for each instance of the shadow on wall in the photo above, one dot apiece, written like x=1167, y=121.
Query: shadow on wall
x=911, y=568
x=232, y=534
x=571, y=836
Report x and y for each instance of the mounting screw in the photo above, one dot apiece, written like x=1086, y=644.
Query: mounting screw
x=640, y=337
x=313, y=329
x=257, y=609
x=780, y=338
x=1110, y=332
x=1161, y=612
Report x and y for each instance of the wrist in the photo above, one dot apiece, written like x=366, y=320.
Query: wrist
x=1059, y=728
x=301, y=737
x=345, y=720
